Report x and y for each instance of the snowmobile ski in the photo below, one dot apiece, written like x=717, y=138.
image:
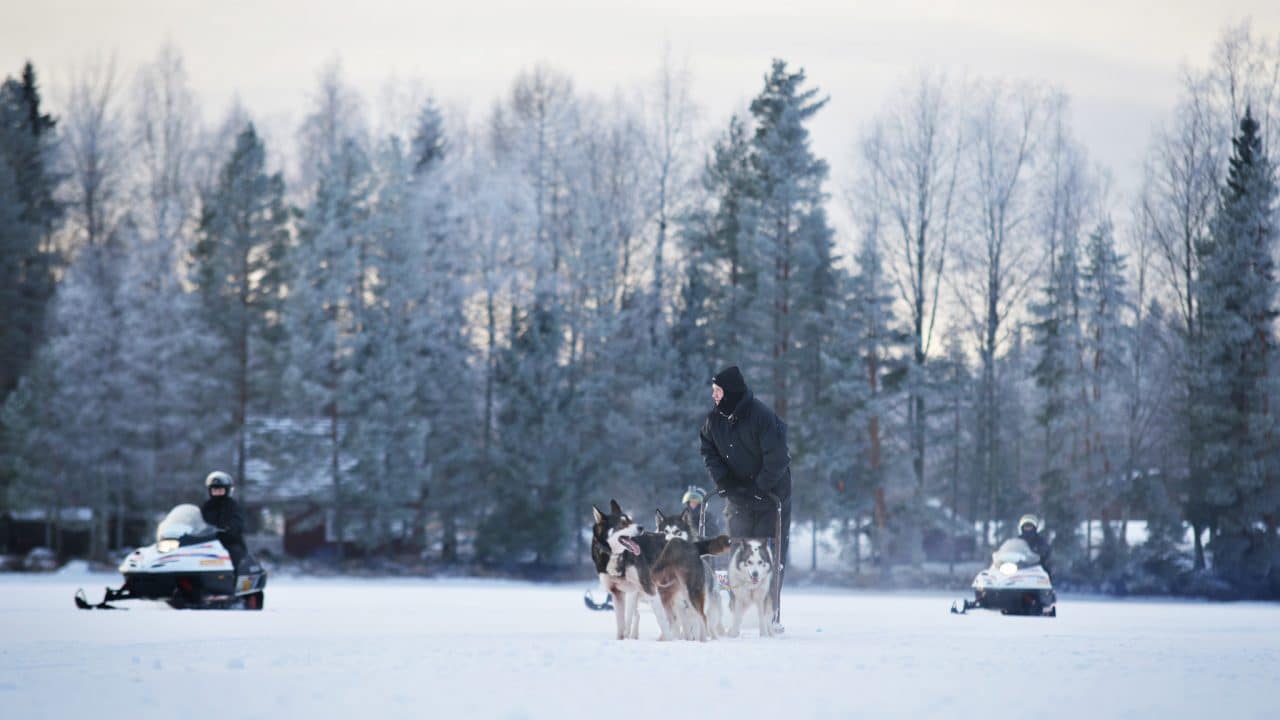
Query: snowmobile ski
x=82, y=601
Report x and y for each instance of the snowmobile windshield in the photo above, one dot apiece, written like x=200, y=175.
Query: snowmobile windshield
x=1016, y=551
x=181, y=521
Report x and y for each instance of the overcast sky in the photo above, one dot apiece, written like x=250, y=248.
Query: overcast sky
x=1119, y=60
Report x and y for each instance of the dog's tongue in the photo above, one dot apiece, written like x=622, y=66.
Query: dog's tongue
x=630, y=544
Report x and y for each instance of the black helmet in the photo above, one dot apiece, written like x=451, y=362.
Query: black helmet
x=217, y=478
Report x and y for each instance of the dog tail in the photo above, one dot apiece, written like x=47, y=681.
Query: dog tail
x=715, y=546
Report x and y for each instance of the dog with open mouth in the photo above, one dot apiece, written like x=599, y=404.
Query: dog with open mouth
x=635, y=565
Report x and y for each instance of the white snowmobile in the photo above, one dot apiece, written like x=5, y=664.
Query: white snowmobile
x=188, y=568
x=1015, y=584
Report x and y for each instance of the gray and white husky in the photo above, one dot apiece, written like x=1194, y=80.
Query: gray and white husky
x=751, y=584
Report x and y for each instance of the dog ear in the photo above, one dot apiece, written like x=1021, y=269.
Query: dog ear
x=599, y=516
x=662, y=518
x=687, y=516
x=614, y=507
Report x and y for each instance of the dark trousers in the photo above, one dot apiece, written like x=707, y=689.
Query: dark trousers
x=752, y=522
x=237, y=551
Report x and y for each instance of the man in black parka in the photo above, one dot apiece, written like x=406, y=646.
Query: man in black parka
x=744, y=446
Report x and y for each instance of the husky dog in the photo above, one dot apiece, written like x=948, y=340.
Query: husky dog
x=633, y=564
x=623, y=553
x=681, y=578
x=682, y=527
x=751, y=583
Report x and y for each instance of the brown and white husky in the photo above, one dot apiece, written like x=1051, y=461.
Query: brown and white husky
x=682, y=527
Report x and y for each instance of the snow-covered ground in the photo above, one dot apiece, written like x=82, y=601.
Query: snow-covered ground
x=343, y=648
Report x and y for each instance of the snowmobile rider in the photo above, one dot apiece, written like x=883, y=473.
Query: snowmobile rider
x=744, y=446
x=1029, y=531
x=221, y=511
x=693, y=501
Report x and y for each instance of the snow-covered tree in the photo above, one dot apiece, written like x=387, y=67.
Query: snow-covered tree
x=29, y=212
x=238, y=265
x=911, y=157
x=1006, y=128
x=1107, y=336
x=1238, y=479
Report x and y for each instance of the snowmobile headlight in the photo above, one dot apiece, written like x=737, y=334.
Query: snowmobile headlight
x=1008, y=568
x=165, y=546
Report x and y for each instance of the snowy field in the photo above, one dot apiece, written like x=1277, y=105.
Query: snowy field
x=478, y=649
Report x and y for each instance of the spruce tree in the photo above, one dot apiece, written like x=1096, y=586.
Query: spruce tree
x=721, y=277
x=951, y=382
x=788, y=229
x=762, y=290
x=442, y=343
x=86, y=361
x=867, y=377
x=166, y=347
x=29, y=212
x=1237, y=311
x=238, y=266
x=32, y=436
x=326, y=318
x=1105, y=343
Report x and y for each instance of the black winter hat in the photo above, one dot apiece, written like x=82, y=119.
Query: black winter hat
x=730, y=380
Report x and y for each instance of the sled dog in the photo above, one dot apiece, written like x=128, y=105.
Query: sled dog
x=634, y=565
x=750, y=584
x=683, y=527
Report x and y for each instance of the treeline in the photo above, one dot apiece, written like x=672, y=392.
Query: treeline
x=480, y=326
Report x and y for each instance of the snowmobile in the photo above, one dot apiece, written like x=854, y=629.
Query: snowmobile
x=187, y=567
x=1015, y=584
